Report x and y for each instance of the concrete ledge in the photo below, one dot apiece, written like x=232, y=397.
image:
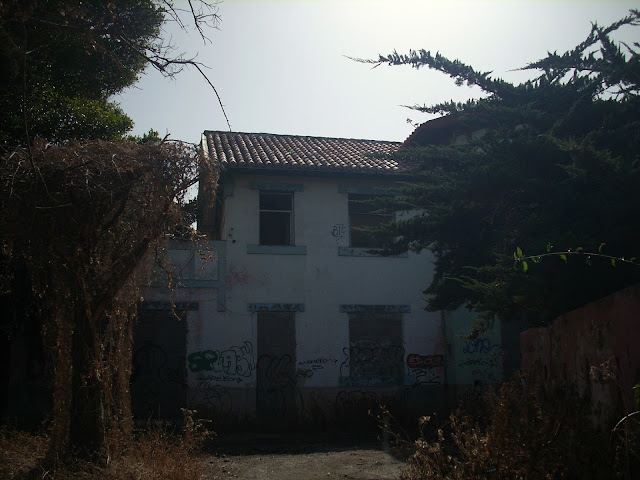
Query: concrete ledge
x=275, y=307
x=277, y=187
x=354, y=308
x=277, y=249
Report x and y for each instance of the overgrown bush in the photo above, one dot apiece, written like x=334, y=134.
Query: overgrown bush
x=508, y=434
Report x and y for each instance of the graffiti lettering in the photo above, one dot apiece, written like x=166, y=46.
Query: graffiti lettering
x=304, y=373
x=236, y=361
x=478, y=362
x=338, y=231
x=424, y=361
x=427, y=375
x=426, y=368
x=157, y=382
x=307, y=367
x=278, y=396
x=480, y=345
x=318, y=361
x=222, y=378
x=372, y=360
x=215, y=397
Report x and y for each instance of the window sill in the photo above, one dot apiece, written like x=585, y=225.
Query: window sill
x=366, y=252
x=277, y=249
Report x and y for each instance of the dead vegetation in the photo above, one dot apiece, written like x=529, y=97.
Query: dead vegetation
x=508, y=434
x=153, y=454
x=79, y=223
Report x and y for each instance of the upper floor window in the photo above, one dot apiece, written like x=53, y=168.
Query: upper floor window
x=364, y=215
x=276, y=218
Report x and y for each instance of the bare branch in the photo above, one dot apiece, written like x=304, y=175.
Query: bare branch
x=163, y=65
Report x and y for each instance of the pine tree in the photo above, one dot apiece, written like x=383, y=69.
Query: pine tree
x=555, y=161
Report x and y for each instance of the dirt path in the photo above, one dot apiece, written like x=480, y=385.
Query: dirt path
x=301, y=457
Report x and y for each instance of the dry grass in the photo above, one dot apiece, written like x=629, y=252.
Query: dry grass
x=20, y=452
x=154, y=454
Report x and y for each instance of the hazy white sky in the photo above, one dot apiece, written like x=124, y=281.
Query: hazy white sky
x=281, y=66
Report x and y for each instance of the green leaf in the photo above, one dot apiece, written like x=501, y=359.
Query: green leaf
x=549, y=247
x=588, y=261
x=518, y=252
x=525, y=266
x=601, y=247
x=613, y=262
x=580, y=249
x=564, y=258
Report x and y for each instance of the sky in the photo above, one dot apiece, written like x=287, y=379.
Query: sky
x=283, y=66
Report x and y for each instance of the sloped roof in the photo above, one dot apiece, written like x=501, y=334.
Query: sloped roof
x=433, y=132
x=265, y=151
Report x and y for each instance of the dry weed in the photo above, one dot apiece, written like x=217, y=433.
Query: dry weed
x=155, y=454
x=509, y=435
x=20, y=452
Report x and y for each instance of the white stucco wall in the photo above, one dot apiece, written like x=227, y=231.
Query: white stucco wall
x=222, y=345
x=321, y=280
x=222, y=336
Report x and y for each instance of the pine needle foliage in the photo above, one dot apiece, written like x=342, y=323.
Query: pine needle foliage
x=554, y=159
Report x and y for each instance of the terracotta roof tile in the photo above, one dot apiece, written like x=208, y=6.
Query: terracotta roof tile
x=292, y=152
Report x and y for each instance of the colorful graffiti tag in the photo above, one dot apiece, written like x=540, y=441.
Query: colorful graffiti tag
x=424, y=361
x=236, y=361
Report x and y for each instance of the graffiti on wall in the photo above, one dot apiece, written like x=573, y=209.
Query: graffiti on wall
x=479, y=362
x=277, y=389
x=222, y=378
x=237, y=361
x=338, y=231
x=426, y=368
x=215, y=397
x=372, y=360
x=424, y=361
x=481, y=345
x=306, y=368
x=157, y=382
x=481, y=357
x=482, y=354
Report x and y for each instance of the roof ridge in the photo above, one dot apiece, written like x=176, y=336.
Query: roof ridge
x=227, y=132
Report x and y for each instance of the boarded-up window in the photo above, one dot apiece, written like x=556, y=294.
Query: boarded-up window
x=375, y=348
x=276, y=381
x=364, y=215
x=276, y=218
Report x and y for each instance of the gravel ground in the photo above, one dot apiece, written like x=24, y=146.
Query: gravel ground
x=301, y=457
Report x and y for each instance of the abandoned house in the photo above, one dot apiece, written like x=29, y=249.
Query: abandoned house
x=288, y=313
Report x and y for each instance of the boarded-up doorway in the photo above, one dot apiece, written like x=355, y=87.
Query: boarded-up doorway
x=277, y=392
x=159, y=380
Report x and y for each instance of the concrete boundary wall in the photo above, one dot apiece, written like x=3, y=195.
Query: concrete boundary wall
x=596, y=348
